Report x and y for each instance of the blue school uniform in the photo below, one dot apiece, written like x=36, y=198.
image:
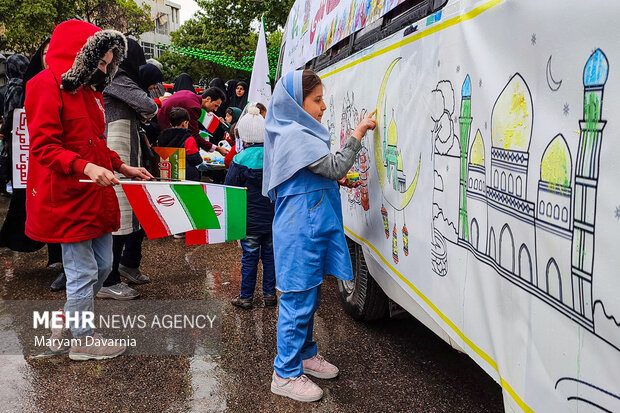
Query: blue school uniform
x=308, y=233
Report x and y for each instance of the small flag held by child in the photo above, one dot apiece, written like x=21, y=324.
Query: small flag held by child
x=229, y=204
x=209, y=121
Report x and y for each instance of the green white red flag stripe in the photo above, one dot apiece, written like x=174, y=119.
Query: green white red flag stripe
x=165, y=209
x=230, y=206
x=209, y=121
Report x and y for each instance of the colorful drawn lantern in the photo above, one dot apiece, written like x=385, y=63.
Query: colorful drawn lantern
x=386, y=227
x=405, y=240
x=394, y=245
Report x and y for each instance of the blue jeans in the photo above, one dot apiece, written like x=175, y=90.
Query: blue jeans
x=257, y=247
x=87, y=265
x=295, y=327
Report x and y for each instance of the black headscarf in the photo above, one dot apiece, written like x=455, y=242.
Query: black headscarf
x=150, y=75
x=231, y=85
x=36, y=62
x=219, y=83
x=16, y=66
x=184, y=82
x=135, y=58
x=239, y=102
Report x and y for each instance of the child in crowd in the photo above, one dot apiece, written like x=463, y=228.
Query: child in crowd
x=246, y=170
x=302, y=177
x=262, y=109
x=238, y=146
x=230, y=121
x=179, y=136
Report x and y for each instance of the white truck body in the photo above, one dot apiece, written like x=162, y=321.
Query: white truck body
x=490, y=207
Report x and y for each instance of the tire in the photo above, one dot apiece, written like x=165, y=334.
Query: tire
x=362, y=298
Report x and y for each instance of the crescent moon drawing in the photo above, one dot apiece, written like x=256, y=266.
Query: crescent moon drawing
x=398, y=200
x=553, y=85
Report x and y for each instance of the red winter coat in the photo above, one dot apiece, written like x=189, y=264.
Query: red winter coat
x=67, y=132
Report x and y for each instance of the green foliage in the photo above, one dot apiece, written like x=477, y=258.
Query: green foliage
x=25, y=24
x=122, y=15
x=228, y=27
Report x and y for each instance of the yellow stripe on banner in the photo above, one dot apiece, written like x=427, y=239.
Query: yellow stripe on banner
x=434, y=29
x=453, y=326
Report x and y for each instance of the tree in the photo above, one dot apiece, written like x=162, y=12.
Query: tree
x=225, y=26
x=122, y=15
x=25, y=24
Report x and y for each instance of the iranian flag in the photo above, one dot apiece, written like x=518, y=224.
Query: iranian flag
x=209, y=121
x=165, y=208
x=229, y=204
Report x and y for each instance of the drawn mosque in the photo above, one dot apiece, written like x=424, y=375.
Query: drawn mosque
x=545, y=246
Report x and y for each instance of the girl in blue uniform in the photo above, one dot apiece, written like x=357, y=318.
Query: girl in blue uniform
x=302, y=177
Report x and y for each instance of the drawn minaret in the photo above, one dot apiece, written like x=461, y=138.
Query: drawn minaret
x=586, y=181
x=465, y=121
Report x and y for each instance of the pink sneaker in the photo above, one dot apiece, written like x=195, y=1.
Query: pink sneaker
x=320, y=368
x=297, y=388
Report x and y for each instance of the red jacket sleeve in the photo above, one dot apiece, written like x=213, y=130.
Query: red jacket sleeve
x=190, y=146
x=43, y=111
x=229, y=156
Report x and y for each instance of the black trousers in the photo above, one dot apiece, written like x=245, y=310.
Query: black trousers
x=126, y=250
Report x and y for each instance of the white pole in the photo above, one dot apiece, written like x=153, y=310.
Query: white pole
x=123, y=182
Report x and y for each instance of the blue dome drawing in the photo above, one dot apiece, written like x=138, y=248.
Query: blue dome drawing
x=466, y=89
x=596, y=70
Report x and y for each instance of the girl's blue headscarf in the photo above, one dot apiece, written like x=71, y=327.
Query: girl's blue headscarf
x=293, y=138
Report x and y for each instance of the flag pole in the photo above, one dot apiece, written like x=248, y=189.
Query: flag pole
x=126, y=182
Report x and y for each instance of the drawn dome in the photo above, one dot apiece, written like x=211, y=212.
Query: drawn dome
x=392, y=135
x=466, y=89
x=596, y=69
x=556, y=165
x=476, y=153
x=511, y=120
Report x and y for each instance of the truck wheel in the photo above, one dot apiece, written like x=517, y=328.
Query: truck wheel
x=362, y=298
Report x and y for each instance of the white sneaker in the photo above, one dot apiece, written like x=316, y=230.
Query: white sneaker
x=120, y=291
x=297, y=388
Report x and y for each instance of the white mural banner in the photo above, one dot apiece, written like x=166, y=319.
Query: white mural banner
x=490, y=187
x=20, y=147
x=314, y=26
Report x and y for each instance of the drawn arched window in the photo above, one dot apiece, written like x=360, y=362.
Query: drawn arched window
x=554, y=282
x=556, y=212
x=525, y=263
x=548, y=209
x=492, y=244
x=565, y=214
x=507, y=249
x=476, y=184
x=541, y=208
x=496, y=179
x=473, y=233
x=519, y=186
x=470, y=183
x=503, y=183
x=511, y=184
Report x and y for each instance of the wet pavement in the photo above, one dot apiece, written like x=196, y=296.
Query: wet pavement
x=391, y=365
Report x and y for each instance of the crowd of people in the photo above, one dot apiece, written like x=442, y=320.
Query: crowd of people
x=95, y=108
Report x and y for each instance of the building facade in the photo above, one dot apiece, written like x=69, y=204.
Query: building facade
x=165, y=15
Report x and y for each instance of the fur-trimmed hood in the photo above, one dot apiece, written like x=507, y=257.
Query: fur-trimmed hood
x=76, y=48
